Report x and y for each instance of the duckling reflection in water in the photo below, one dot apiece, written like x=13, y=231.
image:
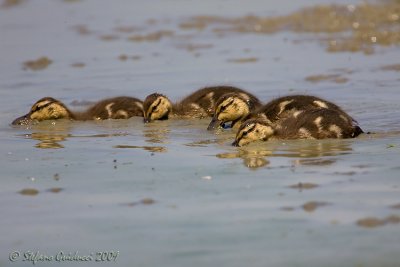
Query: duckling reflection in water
x=199, y=104
x=235, y=109
x=48, y=108
x=316, y=123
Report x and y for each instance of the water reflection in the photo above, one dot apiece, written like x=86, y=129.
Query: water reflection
x=305, y=152
x=147, y=148
x=156, y=135
x=202, y=143
x=49, y=140
x=252, y=159
x=314, y=149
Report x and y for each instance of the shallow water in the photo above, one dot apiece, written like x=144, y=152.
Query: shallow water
x=171, y=193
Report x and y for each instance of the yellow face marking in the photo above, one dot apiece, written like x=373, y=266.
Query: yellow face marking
x=321, y=104
x=159, y=108
x=40, y=105
x=253, y=132
x=48, y=110
x=244, y=96
x=232, y=109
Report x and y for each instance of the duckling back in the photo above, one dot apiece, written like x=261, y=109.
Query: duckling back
x=122, y=107
x=317, y=123
x=283, y=107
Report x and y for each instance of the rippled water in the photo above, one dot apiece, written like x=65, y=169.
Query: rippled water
x=171, y=193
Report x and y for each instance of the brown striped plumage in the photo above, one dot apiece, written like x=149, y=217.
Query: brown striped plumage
x=48, y=108
x=283, y=107
x=199, y=104
x=313, y=123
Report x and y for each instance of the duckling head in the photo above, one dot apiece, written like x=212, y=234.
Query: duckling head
x=230, y=107
x=253, y=130
x=46, y=108
x=156, y=107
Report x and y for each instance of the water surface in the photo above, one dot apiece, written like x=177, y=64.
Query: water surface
x=171, y=193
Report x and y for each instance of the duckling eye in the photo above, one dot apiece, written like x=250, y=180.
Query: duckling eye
x=245, y=133
x=222, y=109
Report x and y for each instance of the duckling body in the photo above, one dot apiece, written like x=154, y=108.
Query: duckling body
x=199, y=104
x=314, y=123
x=122, y=107
x=49, y=108
x=283, y=107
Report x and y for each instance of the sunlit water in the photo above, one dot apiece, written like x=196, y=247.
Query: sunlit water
x=171, y=193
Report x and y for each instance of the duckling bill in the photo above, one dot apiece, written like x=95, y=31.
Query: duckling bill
x=316, y=123
x=49, y=108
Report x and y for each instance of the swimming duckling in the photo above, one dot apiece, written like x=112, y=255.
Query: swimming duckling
x=199, y=104
x=48, y=108
x=283, y=107
x=315, y=123
x=233, y=107
x=272, y=111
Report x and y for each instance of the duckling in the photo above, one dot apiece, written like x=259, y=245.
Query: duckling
x=48, y=108
x=314, y=123
x=233, y=107
x=199, y=104
x=272, y=111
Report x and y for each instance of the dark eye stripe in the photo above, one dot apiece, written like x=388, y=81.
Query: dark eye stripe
x=222, y=108
x=37, y=108
x=152, y=108
x=244, y=133
x=249, y=130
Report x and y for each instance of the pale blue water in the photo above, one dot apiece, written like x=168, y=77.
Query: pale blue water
x=214, y=205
